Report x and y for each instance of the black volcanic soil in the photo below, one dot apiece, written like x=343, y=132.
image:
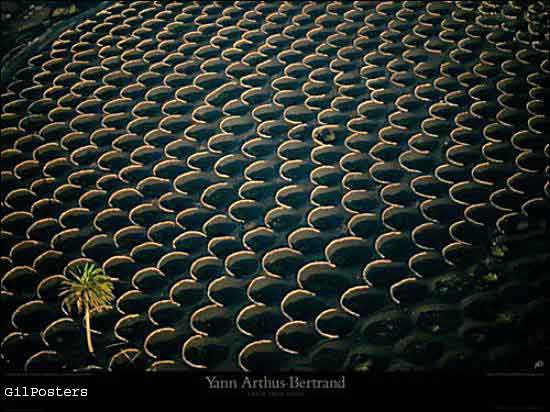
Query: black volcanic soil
x=280, y=185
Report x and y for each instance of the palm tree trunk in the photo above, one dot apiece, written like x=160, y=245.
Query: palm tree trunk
x=88, y=330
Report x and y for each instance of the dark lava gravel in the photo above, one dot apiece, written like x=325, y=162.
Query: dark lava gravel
x=293, y=185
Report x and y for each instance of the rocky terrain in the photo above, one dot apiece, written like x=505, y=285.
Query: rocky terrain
x=281, y=186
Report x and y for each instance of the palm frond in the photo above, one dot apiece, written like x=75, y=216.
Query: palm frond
x=86, y=286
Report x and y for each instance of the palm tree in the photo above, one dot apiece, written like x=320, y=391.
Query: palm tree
x=91, y=289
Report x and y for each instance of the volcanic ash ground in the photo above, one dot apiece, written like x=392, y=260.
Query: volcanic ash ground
x=281, y=186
